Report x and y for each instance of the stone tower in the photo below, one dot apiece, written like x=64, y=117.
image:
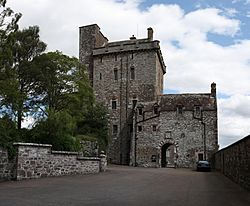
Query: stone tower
x=123, y=73
x=146, y=128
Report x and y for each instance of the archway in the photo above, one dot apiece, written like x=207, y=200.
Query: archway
x=165, y=154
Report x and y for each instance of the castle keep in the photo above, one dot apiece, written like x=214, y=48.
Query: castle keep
x=146, y=127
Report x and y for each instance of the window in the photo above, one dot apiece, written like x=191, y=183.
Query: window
x=155, y=110
x=115, y=57
x=200, y=156
x=140, y=111
x=139, y=128
x=197, y=110
x=114, y=104
x=101, y=59
x=100, y=76
x=130, y=128
x=132, y=55
x=154, y=128
x=179, y=109
x=115, y=129
x=132, y=73
x=115, y=74
x=134, y=102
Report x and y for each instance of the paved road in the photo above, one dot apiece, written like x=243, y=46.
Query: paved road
x=125, y=186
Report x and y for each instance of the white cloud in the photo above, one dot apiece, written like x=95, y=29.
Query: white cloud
x=231, y=12
x=192, y=66
x=234, y=119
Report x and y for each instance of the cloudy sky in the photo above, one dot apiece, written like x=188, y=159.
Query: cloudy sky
x=202, y=41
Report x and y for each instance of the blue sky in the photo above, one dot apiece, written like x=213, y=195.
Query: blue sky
x=239, y=9
x=202, y=41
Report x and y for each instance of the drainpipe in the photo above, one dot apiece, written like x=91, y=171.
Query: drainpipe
x=204, y=139
x=204, y=134
x=135, y=163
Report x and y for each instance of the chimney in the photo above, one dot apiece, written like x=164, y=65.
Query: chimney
x=150, y=34
x=213, y=90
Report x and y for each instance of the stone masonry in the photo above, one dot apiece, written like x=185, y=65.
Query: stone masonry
x=6, y=165
x=38, y=160
x=234, y=162
x=146, y=128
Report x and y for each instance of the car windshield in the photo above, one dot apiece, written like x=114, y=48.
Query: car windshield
x=203, y=162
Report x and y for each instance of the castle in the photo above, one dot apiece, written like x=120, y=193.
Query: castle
x=146, y=127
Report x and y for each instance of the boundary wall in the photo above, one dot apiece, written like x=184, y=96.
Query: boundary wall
x=39, y=160
x=234, y=162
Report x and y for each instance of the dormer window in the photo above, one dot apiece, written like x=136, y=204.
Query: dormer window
x=197, y=111
x=156, y=109
x=179, y=109
x=140, y=111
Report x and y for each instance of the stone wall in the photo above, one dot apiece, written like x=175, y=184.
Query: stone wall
x=90, y=148
x=234, y=162
x=192, y=133
x=38, y=160
x=6, y=165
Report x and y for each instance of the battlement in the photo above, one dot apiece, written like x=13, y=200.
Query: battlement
x=132, y=45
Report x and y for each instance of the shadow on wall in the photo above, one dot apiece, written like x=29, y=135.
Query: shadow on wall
x=234, y=162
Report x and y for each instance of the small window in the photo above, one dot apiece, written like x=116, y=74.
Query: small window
x=114, y=104
x=156, y=110
x=132, y=73
x=139, y=128
x=197, y=110
x=132, y=55
x=115, y=129
x=115, y=74
x=101, y=59
x=140, y=111
x=200, y=156
x=115, y=57
x=154, y=128
x=179, y=109
x=100, y=76
x=134, y=102
x=131, y=128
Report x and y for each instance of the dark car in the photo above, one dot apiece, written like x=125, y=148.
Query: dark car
x=203, y=166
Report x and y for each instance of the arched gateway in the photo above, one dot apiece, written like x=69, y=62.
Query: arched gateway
x=168, y=153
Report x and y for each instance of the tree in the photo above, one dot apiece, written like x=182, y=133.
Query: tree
x=62, y=85
x=8, y=19
x=17, y=82
x=8, y=25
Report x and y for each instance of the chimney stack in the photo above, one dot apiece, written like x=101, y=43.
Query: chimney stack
x=150, y=34
x=213, y=90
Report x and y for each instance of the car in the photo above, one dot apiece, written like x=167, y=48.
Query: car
x=203, y=166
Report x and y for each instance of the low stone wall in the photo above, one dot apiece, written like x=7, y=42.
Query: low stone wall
x=234, y=162
x=6, y=166
x=38, y=160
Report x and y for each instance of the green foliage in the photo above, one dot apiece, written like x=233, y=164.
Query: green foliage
x=17, y=79
x=61, y=84
x=94, y=124
x=51, y=87
x=8, y=135
x=57, y=130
